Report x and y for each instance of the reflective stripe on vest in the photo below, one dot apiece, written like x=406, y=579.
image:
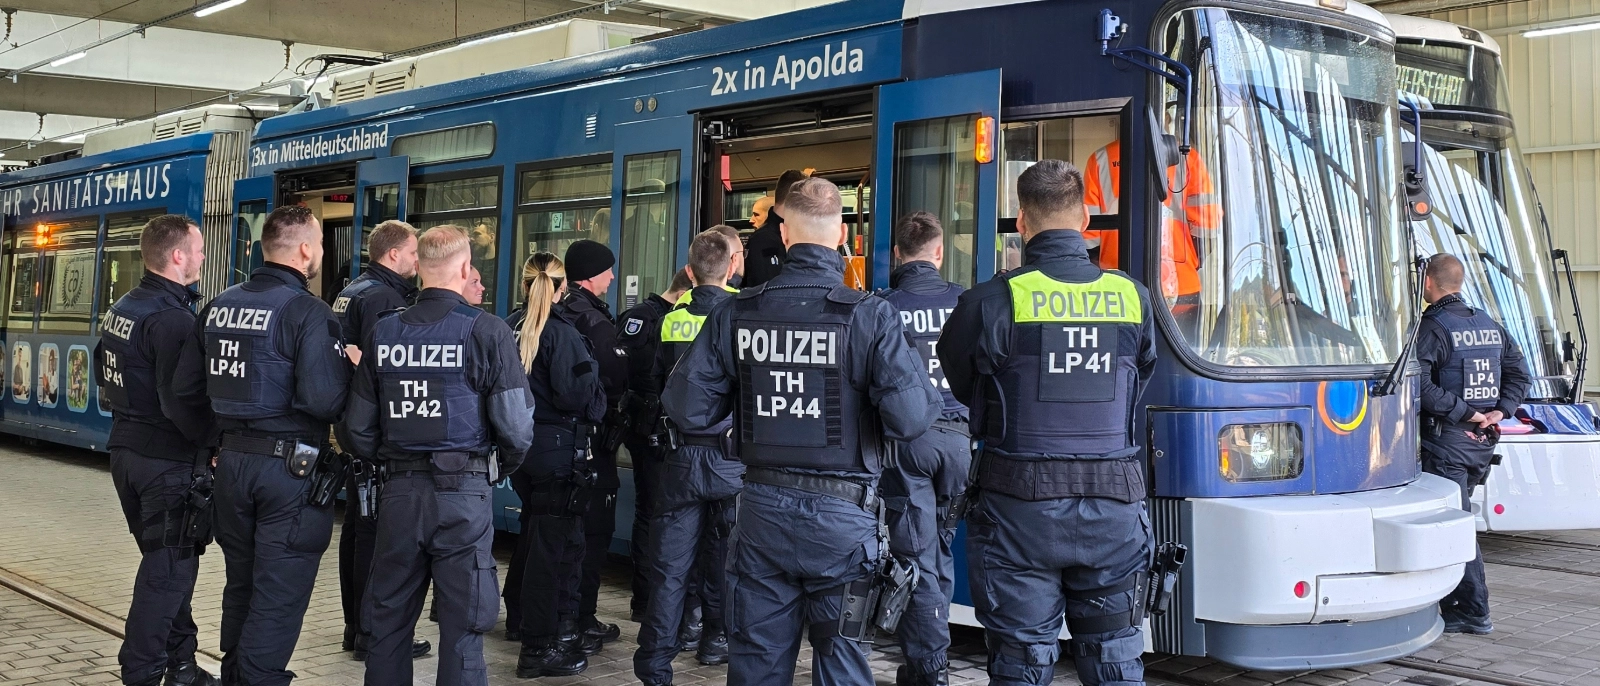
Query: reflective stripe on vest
x=425, y=401
x=1069, y=381
x=246, y=376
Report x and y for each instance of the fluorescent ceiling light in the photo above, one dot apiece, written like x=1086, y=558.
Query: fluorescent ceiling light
x=218, y=8
x=1558, y=30
x=77, y=138
x=69, y=58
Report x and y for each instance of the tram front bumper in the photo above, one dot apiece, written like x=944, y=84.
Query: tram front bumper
x=1353, y=557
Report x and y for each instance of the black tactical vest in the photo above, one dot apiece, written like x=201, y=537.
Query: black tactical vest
x=425, y=403
x=127, y=377
x=1068, y=385
x=923, y=315
x=797, y=404
x=1472, y=371
x=341, y=305
x=246, y=375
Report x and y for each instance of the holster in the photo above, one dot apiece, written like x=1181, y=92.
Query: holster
x=326, y=478
x=197, y=515
x=368, y=487
x=583, y=474
x=1163, y=578
x=896, y=580
x=859, y=601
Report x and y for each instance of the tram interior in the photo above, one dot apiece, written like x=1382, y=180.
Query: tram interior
x=329, y=194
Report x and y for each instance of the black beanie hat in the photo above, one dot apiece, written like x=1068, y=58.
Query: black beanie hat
x=586, y=259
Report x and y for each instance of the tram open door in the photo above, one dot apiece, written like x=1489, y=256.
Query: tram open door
x=651, y=158
x=253, y=199
x=381, y=189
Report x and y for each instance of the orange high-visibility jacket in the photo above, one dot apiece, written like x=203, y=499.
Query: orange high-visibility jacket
x=1180, y=265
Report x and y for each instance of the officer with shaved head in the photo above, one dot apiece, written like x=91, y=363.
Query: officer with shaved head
x=439, y=385
x=1473, y=376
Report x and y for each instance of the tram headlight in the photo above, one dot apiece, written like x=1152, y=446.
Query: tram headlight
x=1260, y=452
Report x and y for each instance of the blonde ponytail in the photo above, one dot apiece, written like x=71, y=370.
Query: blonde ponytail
x=542, y=276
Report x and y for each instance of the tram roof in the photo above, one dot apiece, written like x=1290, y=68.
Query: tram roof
x=1407, y=26
x=182, y=145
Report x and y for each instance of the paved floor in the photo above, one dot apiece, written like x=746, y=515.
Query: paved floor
x=63, y=534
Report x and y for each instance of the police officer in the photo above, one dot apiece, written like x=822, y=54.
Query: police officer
x=156, y=450
x=1473, y=377
x=442, y=382
x=697, y=493
x=732, y=234
x=275, y=370
x=1052, y=359
x=554, y=481
x=930, y=472
x=766, y=249
x=641, y=406
x=589, y=276
x=385, y=285
x=815, y=375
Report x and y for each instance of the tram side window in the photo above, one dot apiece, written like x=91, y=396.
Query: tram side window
x=1089, y=143
x=123, y=264
x=247, y=239
x=935, y=171
x=68, y=265
x=472, y=203
x=649, y=225
x=23, y=296
x=559, y=205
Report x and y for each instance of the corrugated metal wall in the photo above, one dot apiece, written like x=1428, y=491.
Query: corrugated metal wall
x=1556, y=103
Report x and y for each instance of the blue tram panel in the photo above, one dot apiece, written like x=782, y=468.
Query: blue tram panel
x=70, y=247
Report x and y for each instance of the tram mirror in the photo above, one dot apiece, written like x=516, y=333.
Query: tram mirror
x=1163, y=152
x=1419, y=204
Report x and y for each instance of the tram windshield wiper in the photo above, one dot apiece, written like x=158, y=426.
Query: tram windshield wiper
x=1392, y=379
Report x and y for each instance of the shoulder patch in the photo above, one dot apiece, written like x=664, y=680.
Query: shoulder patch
x=633, y=326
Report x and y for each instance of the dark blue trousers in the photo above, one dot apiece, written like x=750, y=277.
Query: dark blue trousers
x=1034, y=564
x=791, y=556
x=439, y=526
x=695, y=514
x=1465, y=462
x=357, y=538
x=272, y=540
x=160, y=630
x=917, y=490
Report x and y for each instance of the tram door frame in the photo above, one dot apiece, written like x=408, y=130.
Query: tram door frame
x=910, y=102
x=258, y=189
x=376, y=174
x=640, y=140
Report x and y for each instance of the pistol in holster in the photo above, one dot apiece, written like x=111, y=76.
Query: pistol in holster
x=326, y=478
x=367, y=488
x=584, y=475
x=896, y=579
x=197, y=513
x=1163, y=578
x=669, y=439
x=618, y=423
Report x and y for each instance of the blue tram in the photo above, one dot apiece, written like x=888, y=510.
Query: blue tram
x=1261, y=203
x=71, y=248
x=1486, y=211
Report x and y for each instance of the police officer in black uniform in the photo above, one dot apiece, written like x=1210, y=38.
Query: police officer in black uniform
x=157, y=450
x=555, y=480
x=930, y=472
x=815, y=375
x=275, y=370
x=641, y=406
x=589, y=276
x=1473, y=377
x=440, y=384
x=1052, y=359
x=385, y=285
x=697, y=493
x=766, y=250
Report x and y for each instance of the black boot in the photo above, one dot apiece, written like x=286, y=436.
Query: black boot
x=349, y=643
x=188, y=674
x=713, y=649
x=596, y=634
x=420, y=648
x=689, y=633
x=906, y=675
x=553, y=658
x=360, y=648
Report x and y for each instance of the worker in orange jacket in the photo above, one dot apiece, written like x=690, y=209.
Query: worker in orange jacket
x=1180, y=263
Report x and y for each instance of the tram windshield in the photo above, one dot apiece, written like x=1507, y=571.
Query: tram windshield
x=1281, y=238
x=1485, y=211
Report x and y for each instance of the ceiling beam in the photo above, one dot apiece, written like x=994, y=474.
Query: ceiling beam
x=106, y=99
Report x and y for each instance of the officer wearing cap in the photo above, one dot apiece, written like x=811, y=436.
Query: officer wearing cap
x=554, y=481
x=815, y=376
x=441, y=384
x=589, y=276
x=157, y=450
x=1051, y=359
x=274, y=367
x=383, y=286
x=700, y=484
x=641, y=406
x=1473, y=376
x=930, y=472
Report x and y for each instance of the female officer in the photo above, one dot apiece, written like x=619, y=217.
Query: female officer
x=542, y=585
